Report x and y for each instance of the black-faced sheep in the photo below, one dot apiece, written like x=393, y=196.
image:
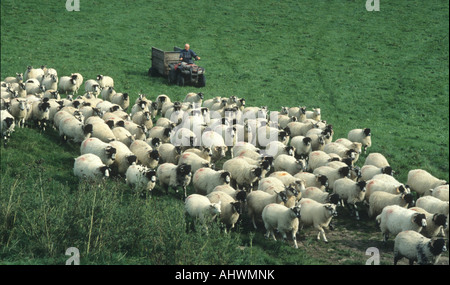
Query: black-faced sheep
x=174, y=176
x=395, y=219
x=206, y=179
x=421, y=181
x=415, y=247
x=90, y=167
x=257, y=200
x=379, y=200
x=243, y=174
x=351, y=192
x=142, y=178
x=105, y=151
x=317, y=214
x=230, y=209
x=362, y=136
x=281, y=218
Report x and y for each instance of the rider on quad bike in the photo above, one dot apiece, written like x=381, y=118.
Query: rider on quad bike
x=187, y=54
x=186, y=71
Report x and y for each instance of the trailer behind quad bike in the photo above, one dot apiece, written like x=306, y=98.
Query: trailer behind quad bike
x=167, y=64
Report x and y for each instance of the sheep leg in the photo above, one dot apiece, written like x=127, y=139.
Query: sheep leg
x=254, y=223
x=321, y=233
x=294, y=239
x=385, y=237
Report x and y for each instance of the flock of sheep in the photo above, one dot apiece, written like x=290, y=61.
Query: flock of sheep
x=285, y=169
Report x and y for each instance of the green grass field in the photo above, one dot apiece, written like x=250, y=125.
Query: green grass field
x=385, y=70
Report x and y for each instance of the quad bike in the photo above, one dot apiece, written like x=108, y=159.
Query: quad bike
x=181, y=74
x=167, y=64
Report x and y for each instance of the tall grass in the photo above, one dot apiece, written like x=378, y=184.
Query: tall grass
x=385, y=70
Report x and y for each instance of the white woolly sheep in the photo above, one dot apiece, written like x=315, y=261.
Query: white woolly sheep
x=19, y=110
x=374, y=185
x=61, y=115
x=7, y=125
x=142, y=178
x=123, y=135
x=206, y=179
x=160, y=132
x=183, y=137
x=275, y=148
x=258, y=200
x=17, y=79
x=200, y=207
x=420, y=180
x=105, y=81
x=314, y=114
x=243, y=174
x=332, y=174
x=302, y=146
x=105, y=151
x=341, y=150
x=137, y=131
x=395, y=219
x=124, y=157
x=79, y=78
x=318, y=158
x=194, y=98
x=33, y=73
x=433, y=205
x=369, y=171
x=121, y=99
x=107, y=106
x=70, y=128
x=216, y=142
x=230, y=209
x=415, y=247
x=195, y=161
x=316, y=214
x=68, y=84
x=92, y=85
x=441, y=192
x=145, y=154
x=143, y=118
x=40, y=113
x=313, y=180
x=289, y=180
x=161, y=99
x=102, y=131
x=436, y=223
x=362, y=136
x=50, y=82
x=272, y=185
x=174, y=176
x=238, y=195
x=351, y=192
x=204, y=152
x=298, y=128
x=376, y=159
x=298, y=112
x=289, y=164
x=107, y=92
x=379, y=200
x=90, y=167
x=320, y=196
x=281, y=218
x=169, y=153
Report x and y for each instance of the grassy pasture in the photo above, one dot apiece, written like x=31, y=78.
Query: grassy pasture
x=384, y=70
